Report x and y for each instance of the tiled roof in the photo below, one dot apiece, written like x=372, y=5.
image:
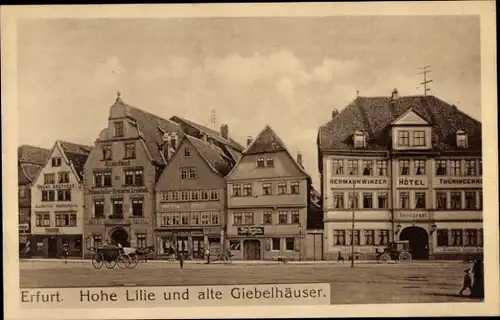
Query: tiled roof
x=32, y=154
x=149, y=126
x=75, y=148
x=373, y=115
x=77, y=154
x=212, y=133
x=234, y=154
x=26, y=172
x=213, y=155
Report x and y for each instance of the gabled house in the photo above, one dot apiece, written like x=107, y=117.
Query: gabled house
x=57, y=202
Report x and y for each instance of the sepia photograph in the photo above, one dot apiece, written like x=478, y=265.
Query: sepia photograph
x=244, y=157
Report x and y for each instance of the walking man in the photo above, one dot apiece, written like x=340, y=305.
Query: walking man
x=181, y=260
x=467, y=283
x=207, y=253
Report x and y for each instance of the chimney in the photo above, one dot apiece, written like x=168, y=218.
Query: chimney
x=299, y=159
x=249, y=140
x=165, y=148
x=395, y=94
x=224, y=131
x=204, y=137
x=335, y=113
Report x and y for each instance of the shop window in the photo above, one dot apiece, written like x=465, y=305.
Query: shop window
x=441, y=168
x=420, y=200
x=419, y=138
x=383, y=203
x=63, y=195
x=270, y=162
x=419, y=166
x=404, y=167
x=63, y=177
x=249, y=218
x=141, y=240
x=247, y=190
x=56, y=162
x=129, y=150
x=353, y=200
x=456, y=167
x=236, y=190
x=356, y=237
x=235, y=245
x=456, y=237
x=267, y=217
x=97, y=241
x=404, y=200
x=275, y=244
x=338, y=167
x=441, y=200
x=338, y=200
x=137, y=207
x=266, y=189
x=352, y=167
x=215, y=218
x=471, y=237
x=470, y=200
x=382, y=167
x=367, y=167
x=260, y=163
x=282, y=217
x=442, y=238
x=383, y=237
x=289, y=244
x=281, y=188
x=369, y=237
x=238, y=218
x=107, y=152
x=214, y=194
x=367, y=200
x=294, y=188
x=295, y=217
x=456, y=200
x=339, y=238
x=403, y=138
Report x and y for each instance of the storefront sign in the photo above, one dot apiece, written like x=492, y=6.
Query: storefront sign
x=96, y=221
x=215, y=231
x=66, y=205
x=41, y=206
x=412, y=182
x=62, y=186
x=24, y=228
x=119, y=163
x=459, y=249
x=362, y=183
x=412, y=215
x=52, y=230
x=250, y=231
x=119, y=191
x=458, y=183
x=139, y=221
x=188, y=233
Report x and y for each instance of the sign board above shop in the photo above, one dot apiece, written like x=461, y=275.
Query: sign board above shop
x=412, y=182
x=250, y=231
x=458, y=182
x=413, y=216
x=118, y=163
x=360, y=183
x=61, y=186
x=103, y=191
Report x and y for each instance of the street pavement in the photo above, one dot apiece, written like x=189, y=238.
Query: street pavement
x=367, y=282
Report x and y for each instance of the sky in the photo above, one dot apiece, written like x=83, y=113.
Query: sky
x=289, y=73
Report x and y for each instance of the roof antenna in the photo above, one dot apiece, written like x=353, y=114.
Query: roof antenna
x=425, y=70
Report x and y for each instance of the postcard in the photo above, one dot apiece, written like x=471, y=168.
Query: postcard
x=250, y=160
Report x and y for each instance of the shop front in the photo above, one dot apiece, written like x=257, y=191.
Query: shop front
x=54, y=245
x=191, y=243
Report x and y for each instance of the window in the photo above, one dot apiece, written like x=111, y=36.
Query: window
x=166, y=220
x=338, y=167
x=282, y=217
x=383, y=203
x=456, y=237
x=419, y=200
x=247, y=190
x=260, y=163
x=404, y=167
x=456, y=168
x=470, y=200
x=338, y=200
x=134, y=177
x=266, y=189
x=65, y=220
x=176, y=219
x=461, y=139
x=275, y=244
x=456, y=200
x=48, y=195
x=42, y=220
x=419, y=138
x=295, y=217
x=294, y=188
x=195, y=195
x=249, y=218
x=442, y=238
x=98, y=208
x=238, y=220
x=63, y=177
x=119, y=129
x=175, y=196
x=56, y=162
x=339, y=237
x=441, y=200
x=107, y=152
x=63, y=195
x=185, y=195
x=419, y=166
x=480, y=238
x=369, y=237
x=353, y=200
x=192, y=173
x=195, y=218
x=367, y=200
x=267, y=217
x=129, y=177
x=97, y=241
x=289, y=244
x=188, y=173
x=22, y=193
x=235, y=245
x=403, y=138
x=352, y=166
x=356, y=237
x=214, y=194
x=471, y=237
x=141, y=240
x=184, y=218
x=236, y=190
x=107, y=179
x=404, y=200
x=281, y=188
x=382, y=167
x=269, y=162
x=441, y=168
x=205, y=218
x=48, y=178
x=367, y=167
x=137, y=207
x=129, y=150
x=470, y=167
x=480, y=199
x=383, y=237
x=117, y=208
x=204, y=194
x=359, y=139
x=215, y=218
x=187, y=152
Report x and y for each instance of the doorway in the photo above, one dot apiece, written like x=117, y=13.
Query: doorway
x=52, y=247
x=120, y=236
x=251, y=249
x=419, y=242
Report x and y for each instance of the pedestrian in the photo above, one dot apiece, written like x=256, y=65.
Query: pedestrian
x=467, y=283
x=478, y=285
x=207, y=254
x=181, y=260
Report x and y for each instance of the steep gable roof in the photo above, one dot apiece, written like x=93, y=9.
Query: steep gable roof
x=373, y=115
x=32, y=154
x=213, y=155
x=76, y=154
x=26, y=172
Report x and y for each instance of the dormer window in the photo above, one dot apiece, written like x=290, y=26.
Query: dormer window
x=462, y=141
x=359, y=139
x=119, y=129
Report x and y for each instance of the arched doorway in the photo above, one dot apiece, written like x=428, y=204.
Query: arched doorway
x=251, y=249
x=120, y=236
x=419, y=242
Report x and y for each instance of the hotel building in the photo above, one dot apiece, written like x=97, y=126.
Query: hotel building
x=121, y=172
x=407, y=168
x=57, y=202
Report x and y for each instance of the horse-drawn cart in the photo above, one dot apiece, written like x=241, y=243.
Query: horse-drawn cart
x=398, y=250
x=111, y=256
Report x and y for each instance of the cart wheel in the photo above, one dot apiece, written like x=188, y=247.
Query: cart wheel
x=405, y=256
x=385, y=258
x=121, y=261
x=97, y=260
x=131, y=262
x=110, y=264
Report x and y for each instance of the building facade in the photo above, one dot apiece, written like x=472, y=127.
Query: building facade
x=403, y=168
x=267, y=199
x=57, y=202
x=121, y=173
x=30, y=161
x=191, y=200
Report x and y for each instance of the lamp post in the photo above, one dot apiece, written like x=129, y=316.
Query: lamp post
x=353, y=213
